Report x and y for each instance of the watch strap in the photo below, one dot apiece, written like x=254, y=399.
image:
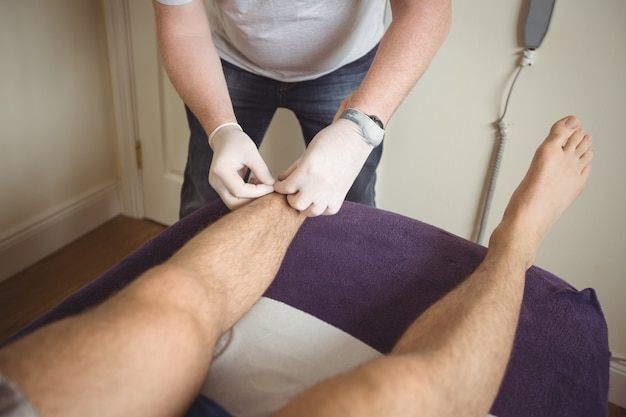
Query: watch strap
x=370, y=127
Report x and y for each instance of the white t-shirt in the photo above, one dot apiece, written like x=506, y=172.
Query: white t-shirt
x=293, y=40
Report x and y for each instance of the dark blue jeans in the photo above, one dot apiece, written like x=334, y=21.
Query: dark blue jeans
x=255, y=100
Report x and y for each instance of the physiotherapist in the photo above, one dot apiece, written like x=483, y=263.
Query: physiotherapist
x=331, y=62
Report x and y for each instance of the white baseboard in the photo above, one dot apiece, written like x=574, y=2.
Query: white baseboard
x=33, y=240
x=617, y=384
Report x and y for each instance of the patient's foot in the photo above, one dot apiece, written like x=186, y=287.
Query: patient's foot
x=557, y=175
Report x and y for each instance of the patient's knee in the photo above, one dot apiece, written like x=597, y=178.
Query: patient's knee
x=173, y=287
x=404, y=378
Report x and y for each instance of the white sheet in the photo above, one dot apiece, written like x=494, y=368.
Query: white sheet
x=274, y=352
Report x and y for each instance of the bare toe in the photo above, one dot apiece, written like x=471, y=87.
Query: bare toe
x=575, y=139
x=584, y=146
x=565, y=127
x=585, y=162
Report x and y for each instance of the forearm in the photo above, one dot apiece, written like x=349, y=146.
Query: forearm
x=415, y=34
x=192, y=63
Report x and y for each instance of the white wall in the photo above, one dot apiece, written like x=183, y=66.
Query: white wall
x=440, y=142
x=56, y=145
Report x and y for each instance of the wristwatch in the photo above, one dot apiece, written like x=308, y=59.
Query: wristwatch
x=371, y=128
x=376, y=120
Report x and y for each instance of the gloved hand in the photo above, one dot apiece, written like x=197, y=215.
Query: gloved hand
x=317, y=183
x=233, y=154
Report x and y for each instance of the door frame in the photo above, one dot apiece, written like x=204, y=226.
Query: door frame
x=122, y=78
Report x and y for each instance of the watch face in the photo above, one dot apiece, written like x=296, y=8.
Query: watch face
x=376, y=120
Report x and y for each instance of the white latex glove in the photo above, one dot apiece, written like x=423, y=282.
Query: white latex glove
x=233, y=154
x=317, y=183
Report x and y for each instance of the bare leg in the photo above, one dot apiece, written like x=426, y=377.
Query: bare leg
x=453, y=357
x=147, y=350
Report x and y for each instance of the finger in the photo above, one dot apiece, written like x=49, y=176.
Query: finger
x=248, y=193
x=299, y=201
x=315, y=210
x=333, y=208
x=234, y=185
x=287, y=186
x=253, y=190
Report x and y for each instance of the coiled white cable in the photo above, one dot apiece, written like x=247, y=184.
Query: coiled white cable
x=528, y=58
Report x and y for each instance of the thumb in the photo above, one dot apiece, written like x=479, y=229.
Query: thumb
x=286, y=182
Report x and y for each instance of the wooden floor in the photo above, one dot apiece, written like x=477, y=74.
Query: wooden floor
x=615, y=411
x=35, y=290
x=38, y=288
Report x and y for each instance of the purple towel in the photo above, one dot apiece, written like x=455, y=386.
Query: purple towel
x=371, y=273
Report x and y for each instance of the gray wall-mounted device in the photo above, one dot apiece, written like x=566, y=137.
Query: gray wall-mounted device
x=537, y=22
